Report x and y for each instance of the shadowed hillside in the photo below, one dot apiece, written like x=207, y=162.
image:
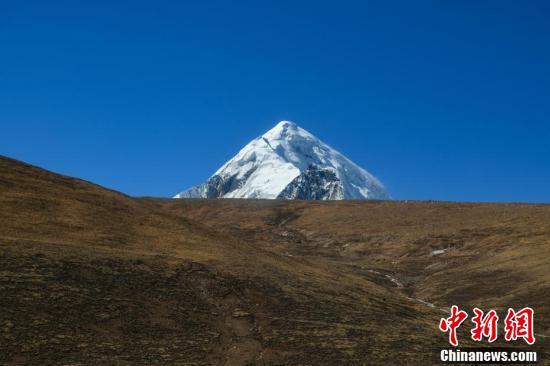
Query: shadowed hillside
x=90, y=276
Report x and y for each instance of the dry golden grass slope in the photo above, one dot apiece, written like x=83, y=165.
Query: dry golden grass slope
x=89, y=276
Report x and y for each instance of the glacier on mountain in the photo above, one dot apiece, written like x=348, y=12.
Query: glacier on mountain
x=288, y=162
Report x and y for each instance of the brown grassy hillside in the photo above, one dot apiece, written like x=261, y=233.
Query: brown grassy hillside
x=446, y=253
x=89, y=276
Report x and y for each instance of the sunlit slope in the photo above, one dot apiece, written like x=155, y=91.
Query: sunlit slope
x=91, y=276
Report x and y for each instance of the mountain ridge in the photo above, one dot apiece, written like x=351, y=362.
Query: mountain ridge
x=283, y=156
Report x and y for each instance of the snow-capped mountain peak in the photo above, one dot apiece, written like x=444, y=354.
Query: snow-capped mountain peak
x=288, y=162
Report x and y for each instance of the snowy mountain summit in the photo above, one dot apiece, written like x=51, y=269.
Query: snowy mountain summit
x=287, y=162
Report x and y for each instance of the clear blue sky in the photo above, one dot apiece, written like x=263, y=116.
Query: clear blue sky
x=440, y=99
